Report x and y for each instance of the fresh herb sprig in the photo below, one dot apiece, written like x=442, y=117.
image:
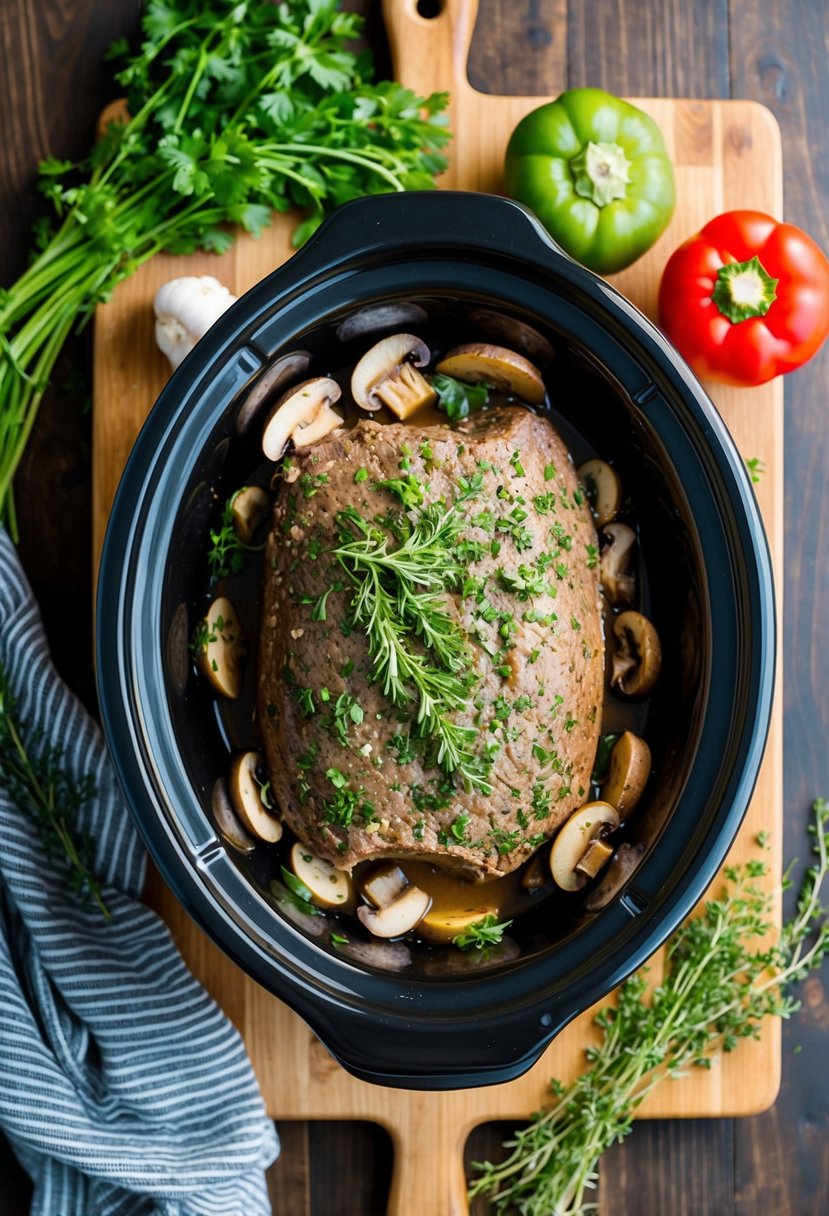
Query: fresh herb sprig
x=482, y=933
x=717, y=989
x=35, y=777
x=397, y=596
x=458, y=399
x=756, y=468
x=236, y=108
x=226, y=554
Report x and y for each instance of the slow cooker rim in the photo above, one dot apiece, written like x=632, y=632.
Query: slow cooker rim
x=126, y=522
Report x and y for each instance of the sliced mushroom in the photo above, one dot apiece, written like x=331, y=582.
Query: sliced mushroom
x=246, y=796
x=616, y=565
x=330, y=888
x=451, y=961
x=479, y=362
x=384, y=884
x=637, y=655
x=269, y=382
x=536, y=874
x=387, y=375
x=589, y=823
x=372, y=319
x=313, y=922
x=621, y=868
x=296, y=411
x=226, y=820
x=519, y=334
x=387, y=956
x=603, y=489
x=630, y=766
x=405, y=913
x=247, y=511
x=443, y=925
x=222, y=647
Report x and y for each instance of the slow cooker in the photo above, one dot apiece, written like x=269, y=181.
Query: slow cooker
x=615, y=383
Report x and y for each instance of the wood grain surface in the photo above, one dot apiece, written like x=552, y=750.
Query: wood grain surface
x=726, y=154
x=49, y=93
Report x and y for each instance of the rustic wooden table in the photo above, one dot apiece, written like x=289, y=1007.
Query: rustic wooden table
x=51, y=89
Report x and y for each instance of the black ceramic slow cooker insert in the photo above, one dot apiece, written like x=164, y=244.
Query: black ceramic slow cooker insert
x=617, y=388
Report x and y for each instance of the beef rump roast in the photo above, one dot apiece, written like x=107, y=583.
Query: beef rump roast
x=350, y=773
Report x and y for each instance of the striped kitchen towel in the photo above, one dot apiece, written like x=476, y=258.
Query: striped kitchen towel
x=124, y=1089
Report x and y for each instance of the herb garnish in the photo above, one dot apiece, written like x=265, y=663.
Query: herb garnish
x=227, y=552
x=756, y=468
x=602, y=762
x=458, y=399
x=40, y=784
x=481, y=933
x=717, y=990
x=397, y=594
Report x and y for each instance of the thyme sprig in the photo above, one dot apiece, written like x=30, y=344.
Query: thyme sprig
x=397, y=596
x=38, y=782
x=717, y=990
x=226, y=554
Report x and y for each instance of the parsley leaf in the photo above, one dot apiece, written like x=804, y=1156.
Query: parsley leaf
x=458, y=399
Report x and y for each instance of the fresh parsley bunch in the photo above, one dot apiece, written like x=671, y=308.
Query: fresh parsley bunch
x=235, y=110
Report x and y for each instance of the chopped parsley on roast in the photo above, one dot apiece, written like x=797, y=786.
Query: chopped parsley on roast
x=431, y=656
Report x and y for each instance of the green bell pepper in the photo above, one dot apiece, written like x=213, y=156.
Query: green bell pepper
x=596, y=172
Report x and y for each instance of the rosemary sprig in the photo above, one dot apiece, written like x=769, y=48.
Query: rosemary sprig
x=396, y=596
x=716, y=991
x=37, y=781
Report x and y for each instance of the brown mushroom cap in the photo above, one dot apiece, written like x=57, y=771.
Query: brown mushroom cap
x=589, y=823
x=637, y=656
x=603, y=489
x=480, y=362
x=616, y=565
x=628, y=772
x=387, y=375
x=620, y=870
x=227, y=823
x=268, y=384
x=518, y=334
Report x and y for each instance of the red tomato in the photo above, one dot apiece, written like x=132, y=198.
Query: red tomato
x=746, y=298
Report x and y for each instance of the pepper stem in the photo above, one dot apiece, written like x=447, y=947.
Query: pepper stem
x=743, y=290
x=600, y=173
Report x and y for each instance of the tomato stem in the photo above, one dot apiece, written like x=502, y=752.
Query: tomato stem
x=743, y=290
x=600, y=173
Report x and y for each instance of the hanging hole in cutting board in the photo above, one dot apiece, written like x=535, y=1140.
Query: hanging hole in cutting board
x=486, y=1143
x=429, y=9
x=357, y=1153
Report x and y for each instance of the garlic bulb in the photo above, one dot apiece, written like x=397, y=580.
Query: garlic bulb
x=185, y=309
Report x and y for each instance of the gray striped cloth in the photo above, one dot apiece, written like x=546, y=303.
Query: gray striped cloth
x=124, y=1090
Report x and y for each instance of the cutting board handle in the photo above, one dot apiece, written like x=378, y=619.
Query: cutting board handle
x=427, y=1172
x=430, y=54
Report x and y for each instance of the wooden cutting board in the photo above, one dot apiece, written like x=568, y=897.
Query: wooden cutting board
x=726, y=154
